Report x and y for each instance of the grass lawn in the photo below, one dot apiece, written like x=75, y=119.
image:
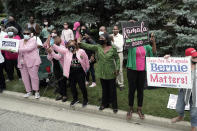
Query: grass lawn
x=155, y=100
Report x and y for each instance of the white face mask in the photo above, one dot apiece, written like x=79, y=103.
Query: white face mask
x=10, y=33
x=101, y=33
x=53, y=34
x=46, y=23
x=26, y=37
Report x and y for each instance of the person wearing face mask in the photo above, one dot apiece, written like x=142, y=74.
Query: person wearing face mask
x=118, y=42
x=108, y=65
x=57, y=60
x=37, y=38
x=67, y=34
x=12, y=22
x=186, y=96
x=102, y=30
x=75, y=66
x=33, y=24
x=76, y=29
x=46, y=29
x=11, y=58
x=28, y=63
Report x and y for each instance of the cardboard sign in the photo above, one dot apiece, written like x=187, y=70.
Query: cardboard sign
x=172, y=102
x=174, y=72
x=9, y=44
x=135, y=34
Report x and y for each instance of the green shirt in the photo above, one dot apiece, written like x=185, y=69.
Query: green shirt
x=107, y=63
x=131, y=61
x=45, y=31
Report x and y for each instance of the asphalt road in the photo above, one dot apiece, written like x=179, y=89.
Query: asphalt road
x=27, y=115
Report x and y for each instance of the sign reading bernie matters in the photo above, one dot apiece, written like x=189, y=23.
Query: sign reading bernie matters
x=9, y=44
x=135, y=34
x=174, y=72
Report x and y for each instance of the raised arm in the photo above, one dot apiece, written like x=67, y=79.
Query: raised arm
x=89, y=46
x=32, y=45
x=59, y=49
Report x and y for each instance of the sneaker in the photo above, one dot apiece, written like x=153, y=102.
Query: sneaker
x=93, y=84
x=37, y=95
x=85, y=103
x=28, y=94
x=73, y=102
x=87, y=83
x=58, y=98
x=64, y=99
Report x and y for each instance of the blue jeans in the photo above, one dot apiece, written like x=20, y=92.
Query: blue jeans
x=180, y=107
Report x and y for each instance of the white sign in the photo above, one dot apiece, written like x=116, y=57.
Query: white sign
x=172, y=102
x=9, y=44
x=174, y=72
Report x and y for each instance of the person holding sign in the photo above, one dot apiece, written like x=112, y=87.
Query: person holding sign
x=11, y=57
x=28, y=63
x=186, y=96
x=108, y=65
x=136, y=73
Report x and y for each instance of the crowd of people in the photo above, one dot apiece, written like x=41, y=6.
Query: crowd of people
x=73, y=55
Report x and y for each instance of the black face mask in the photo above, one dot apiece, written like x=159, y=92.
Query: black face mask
x=71, y=48
x=101, y=42
x=193, y=62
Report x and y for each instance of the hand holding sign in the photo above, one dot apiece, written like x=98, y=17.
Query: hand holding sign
x=9, y=44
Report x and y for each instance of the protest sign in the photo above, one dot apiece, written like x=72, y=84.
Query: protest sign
x=172, y=102
x=9, y=44
x=135, y=34
x=174, y=72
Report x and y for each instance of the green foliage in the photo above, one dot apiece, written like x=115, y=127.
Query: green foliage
x=173, y=22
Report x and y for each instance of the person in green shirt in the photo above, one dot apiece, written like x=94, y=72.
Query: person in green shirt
x=46, y=30
x=108, y=64
x=136, y=73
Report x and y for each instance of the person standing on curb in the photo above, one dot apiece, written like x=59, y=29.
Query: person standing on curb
x=108, y=65
x=118, y=42
x=28, y=63
x=76, y=65
x=188, y=96
x=136, y=73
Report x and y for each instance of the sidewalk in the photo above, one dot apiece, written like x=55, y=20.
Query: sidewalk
x=152, y=120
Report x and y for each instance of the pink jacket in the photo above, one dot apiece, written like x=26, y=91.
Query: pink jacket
x=10, y=55
x=28, y=53
x=57, y=57
x=81, y=56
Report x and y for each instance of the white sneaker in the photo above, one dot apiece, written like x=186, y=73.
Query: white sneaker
x=37, y=95
x=28, y=94
x=87, y=83
x=93, y=84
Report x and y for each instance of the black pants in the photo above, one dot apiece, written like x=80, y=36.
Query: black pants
x=10, y=65
x=62, y=86
x=109, y=94
x=78, y=78
x=2, y=79
x=62, y=81
x=92, y=71
x=136, y=80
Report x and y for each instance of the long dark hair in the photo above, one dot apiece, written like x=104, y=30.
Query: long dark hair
x=108, y=38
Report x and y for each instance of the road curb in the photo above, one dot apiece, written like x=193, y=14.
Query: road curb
x=159, y=121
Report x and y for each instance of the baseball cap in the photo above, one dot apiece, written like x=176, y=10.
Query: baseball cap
x=190, y=52
x=76, y=25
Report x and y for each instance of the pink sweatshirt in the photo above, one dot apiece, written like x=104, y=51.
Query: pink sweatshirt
x=28, y=53
x=81, y=56
x=10, y=55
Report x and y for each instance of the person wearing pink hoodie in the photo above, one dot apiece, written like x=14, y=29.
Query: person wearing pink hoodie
x=28, y=63
x=76, y=29
x=76, y=64
x=11, y=58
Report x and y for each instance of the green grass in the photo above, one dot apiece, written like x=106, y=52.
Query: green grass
x=155, y=100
